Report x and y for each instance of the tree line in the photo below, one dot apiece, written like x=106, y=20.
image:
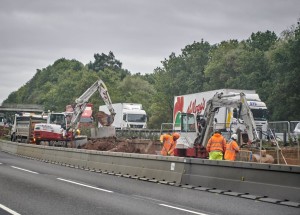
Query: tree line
x=265, y=62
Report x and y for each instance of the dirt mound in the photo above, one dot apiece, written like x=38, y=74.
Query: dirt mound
x=113, y=144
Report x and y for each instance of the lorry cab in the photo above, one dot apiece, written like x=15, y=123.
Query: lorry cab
x=260, y=114
x=134, y=119
x=127, y=115
x=2, y=120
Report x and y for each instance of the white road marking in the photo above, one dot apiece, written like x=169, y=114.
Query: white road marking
x=84, y=185
x=181, y=209
x=26, y=170
x=146, y=198
x=0, y=163
x=9, y=210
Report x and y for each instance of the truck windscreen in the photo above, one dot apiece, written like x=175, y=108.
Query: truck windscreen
x=136, y=118
x=260, y=114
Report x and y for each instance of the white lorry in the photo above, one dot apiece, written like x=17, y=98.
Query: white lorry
x=128, y=115
x=2, y=120
x=22, y=129
x=196, y=104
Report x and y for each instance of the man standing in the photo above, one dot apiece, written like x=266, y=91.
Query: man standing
x=231, y=148
x=216, y=146
x=169, y=143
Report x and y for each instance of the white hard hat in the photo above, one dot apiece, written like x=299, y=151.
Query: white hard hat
x=234, y=136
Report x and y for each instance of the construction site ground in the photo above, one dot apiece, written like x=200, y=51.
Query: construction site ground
x=287, y=155
x=114, y=144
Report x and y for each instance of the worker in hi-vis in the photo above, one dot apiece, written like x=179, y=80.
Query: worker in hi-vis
x=169, y=143
x=216, y=146
x=232, y=148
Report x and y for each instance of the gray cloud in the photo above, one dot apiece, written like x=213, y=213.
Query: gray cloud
x=141, y=33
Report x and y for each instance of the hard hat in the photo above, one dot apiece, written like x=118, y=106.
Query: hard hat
x=176, y=136
x=217, y=131
x=234, y=136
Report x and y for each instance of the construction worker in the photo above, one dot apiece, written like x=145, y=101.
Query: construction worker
x=216, y=146
x=169, y=143
x=232, y=148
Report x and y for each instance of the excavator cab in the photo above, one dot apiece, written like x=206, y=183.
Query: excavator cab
x=58, y=119
x=188, y=122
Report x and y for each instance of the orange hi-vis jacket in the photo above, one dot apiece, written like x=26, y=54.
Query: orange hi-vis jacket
x=168, y=145
x=231, y=149
x=216, y=143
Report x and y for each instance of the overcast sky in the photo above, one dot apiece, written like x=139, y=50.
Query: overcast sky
x=140, y=33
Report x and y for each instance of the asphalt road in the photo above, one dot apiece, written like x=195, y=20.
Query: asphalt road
x=35, y=188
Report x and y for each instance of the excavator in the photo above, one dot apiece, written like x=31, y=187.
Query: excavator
x=197, y=129
x=62, y=128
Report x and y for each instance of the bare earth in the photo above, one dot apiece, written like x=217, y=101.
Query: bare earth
x=113, y=144
x=288, y=155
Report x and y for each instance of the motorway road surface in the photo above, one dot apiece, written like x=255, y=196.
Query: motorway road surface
x=36, y=188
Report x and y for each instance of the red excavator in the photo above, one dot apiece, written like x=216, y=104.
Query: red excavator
x=62, y=128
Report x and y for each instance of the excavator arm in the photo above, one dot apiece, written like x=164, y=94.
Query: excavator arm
x=244, y=121
x=246, y=115
x=82, y=101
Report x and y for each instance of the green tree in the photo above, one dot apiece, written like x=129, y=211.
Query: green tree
x=262, y=41
x=222, y=65
x=283, y=87
x=136, y=90
x=179, y=75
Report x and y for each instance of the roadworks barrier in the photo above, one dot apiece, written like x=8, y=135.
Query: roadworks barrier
x=255, y=180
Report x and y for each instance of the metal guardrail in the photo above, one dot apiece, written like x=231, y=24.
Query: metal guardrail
x=22, y=108
x=151, y=134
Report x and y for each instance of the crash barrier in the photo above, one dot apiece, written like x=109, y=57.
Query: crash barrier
x=262, y=180
x=149, y=167
x=283, y=131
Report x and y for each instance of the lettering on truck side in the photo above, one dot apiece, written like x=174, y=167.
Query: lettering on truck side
x=253, y=104
x=44, y=127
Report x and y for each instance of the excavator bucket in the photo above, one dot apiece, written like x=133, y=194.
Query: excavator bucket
x=104, y=119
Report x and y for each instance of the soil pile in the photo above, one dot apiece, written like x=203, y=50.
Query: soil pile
x=114, y=144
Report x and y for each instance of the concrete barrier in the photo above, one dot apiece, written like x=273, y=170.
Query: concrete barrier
x=138, y=165
x=271, y=180
x=8, y=146
x=274, y=181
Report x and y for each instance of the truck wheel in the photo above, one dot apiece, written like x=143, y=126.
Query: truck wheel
x=13, y=137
